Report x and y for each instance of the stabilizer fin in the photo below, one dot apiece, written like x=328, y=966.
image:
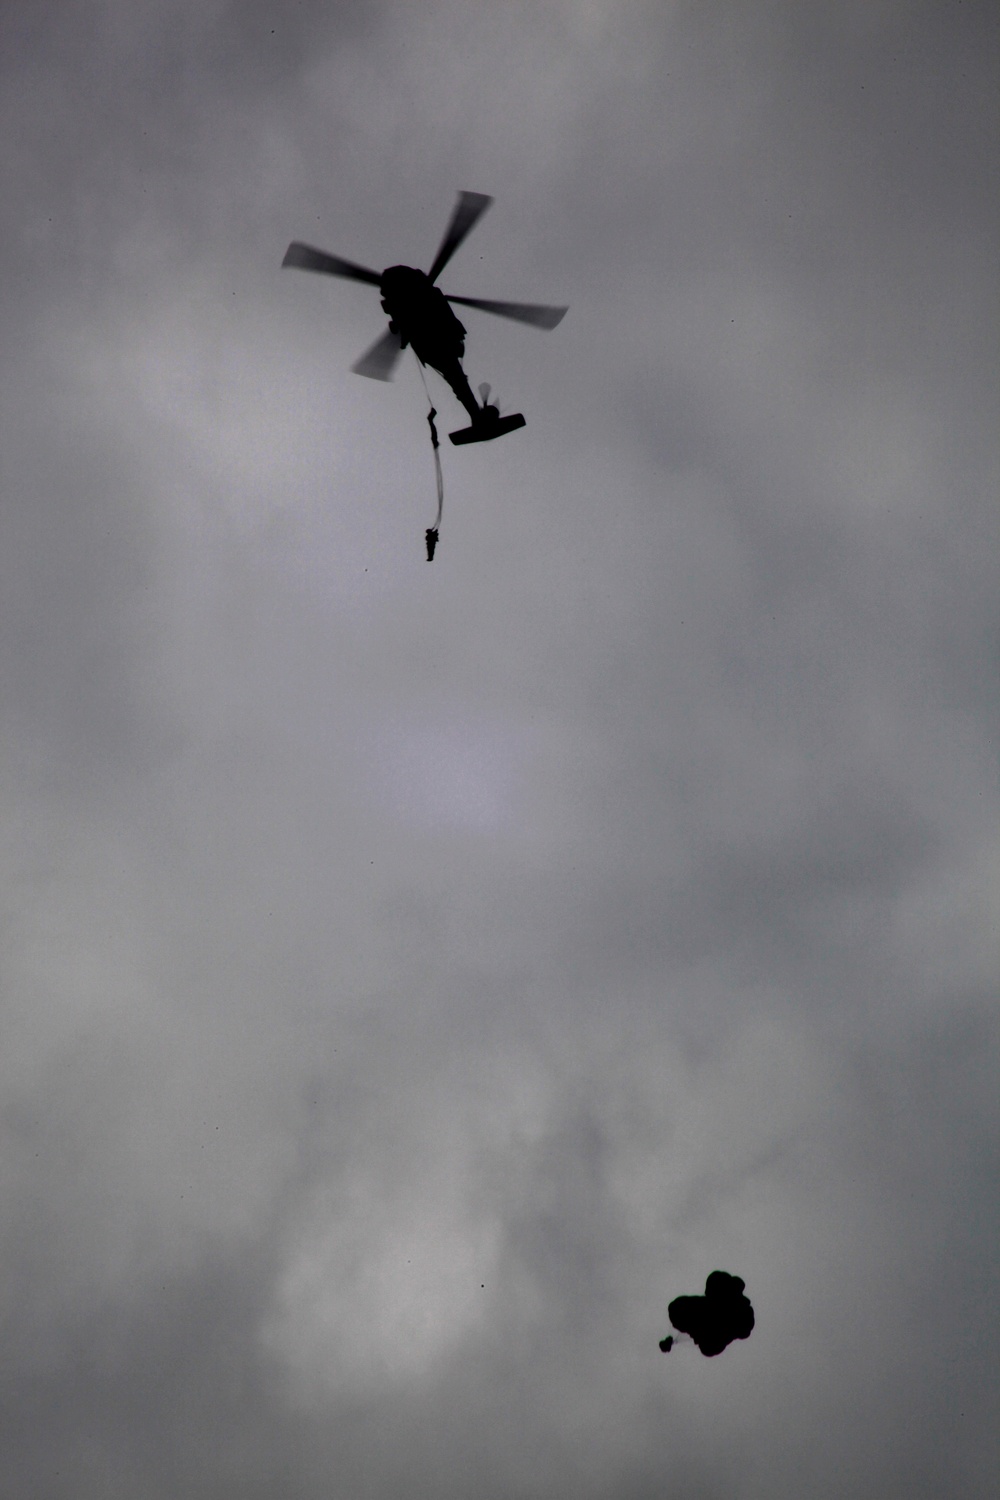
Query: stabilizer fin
x=483, y=430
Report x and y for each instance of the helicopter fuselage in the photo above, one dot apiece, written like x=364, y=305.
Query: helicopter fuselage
x=419, y=313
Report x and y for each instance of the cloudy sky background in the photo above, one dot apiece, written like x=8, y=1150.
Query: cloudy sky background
x=413, y=977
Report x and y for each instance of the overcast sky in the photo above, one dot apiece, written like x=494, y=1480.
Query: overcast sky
x=415, y=976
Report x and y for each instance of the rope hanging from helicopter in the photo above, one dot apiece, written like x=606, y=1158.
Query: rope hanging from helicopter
x=431, y=534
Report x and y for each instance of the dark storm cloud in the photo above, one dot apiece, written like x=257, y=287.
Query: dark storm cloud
x=413, y=977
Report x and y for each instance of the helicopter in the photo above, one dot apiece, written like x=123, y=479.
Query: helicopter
x=420, y=317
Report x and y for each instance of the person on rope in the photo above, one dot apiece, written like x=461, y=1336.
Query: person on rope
x=431, y=534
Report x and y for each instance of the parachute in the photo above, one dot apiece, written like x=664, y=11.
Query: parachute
x=714, y=1320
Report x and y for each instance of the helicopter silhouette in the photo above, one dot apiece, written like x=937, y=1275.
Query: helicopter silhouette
x=420, y=317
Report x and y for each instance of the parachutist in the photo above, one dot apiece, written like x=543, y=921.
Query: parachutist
x=715, y=1319
x=431, y=538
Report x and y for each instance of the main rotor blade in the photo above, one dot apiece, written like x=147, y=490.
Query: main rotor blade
x=469, y=208
x=305, y=258
x=537, y=313
x=379, y=361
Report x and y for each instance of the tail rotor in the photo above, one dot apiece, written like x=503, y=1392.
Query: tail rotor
x=484, y=396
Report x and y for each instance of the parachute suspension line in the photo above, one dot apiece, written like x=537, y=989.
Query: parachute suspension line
x=431, y=534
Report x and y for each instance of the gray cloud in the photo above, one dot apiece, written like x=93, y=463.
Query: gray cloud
x=412, y=978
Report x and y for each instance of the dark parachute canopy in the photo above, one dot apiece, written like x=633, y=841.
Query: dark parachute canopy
x=716, y=1319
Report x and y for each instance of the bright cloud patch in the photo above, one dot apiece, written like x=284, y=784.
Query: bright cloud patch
x=379, y=1291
